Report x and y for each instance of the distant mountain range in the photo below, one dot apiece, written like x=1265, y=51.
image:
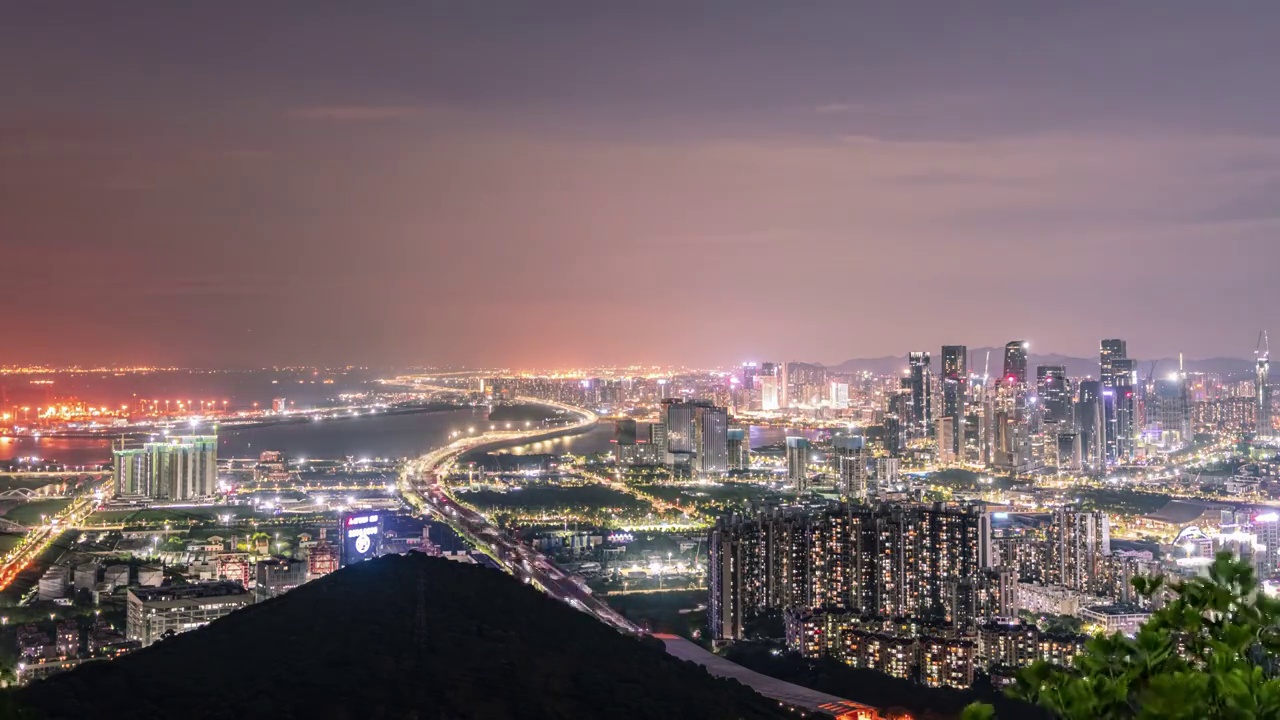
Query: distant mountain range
x=1076, y=366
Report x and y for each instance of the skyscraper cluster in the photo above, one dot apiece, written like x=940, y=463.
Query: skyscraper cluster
x=176, y=469
x=691, y=437
x=1022, y=421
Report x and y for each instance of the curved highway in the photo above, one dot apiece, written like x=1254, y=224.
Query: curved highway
x=421, y=486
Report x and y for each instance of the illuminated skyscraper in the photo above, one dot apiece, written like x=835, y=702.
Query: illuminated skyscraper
x=1015, y=362
x=1090, y=425
x=955, y=385
x=1262, y=389
x=770, y=390
x=803, y=383
x=678, y=417
x=1113, y=355
x=711, y=425
x=1126, y=408
x=1169, y=411
x=1054, y=389
x=1111, y=350
x=921, y=387
x=798, y=463
x=851, y=458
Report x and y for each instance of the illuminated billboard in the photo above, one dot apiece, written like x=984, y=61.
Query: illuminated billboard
x=361, y=537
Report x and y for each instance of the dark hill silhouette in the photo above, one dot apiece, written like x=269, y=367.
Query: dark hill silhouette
x=409, y=637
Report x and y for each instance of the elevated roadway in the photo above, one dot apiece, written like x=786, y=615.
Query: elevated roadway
x=422, y=488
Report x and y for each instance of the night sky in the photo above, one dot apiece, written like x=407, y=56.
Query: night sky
x=550, y=183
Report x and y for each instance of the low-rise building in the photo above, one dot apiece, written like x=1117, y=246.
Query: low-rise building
x=1017, y=645
x=278, y=575
x=55, y=582
x=1060, y=649
x=150, y=576
x=67, y=639
x=322, y=559
x=154, y=612
x=86, y=576
x=34, y=644
x=1118, y=618
x=116, y=575
x=41, y=669
x=1054, y=599
x=947, y=662
x=235, y=567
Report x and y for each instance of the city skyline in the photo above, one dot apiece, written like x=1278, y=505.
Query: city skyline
x=575, y=184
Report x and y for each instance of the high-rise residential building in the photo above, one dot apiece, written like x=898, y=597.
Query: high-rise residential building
x=130, y=471
x=1078, y=543
x=803, y=383
x=658, y=442
x=890, y=561
x=955, y=385
x=798, y=450
x=770, y=392
x=838, y=394
x=1266, y=530
x=739, y=447
x=920, y=384
x=1054, y=389
x=1015, y=363
x=711, y=426
x=851, y=465
x=176, y=469
x=888, y=472
x=945, y=429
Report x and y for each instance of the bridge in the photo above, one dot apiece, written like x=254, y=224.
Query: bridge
x=52, y=474
x=9, y=526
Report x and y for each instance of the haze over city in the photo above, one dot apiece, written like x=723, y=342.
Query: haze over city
x=651, y=360
x=566, y=183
